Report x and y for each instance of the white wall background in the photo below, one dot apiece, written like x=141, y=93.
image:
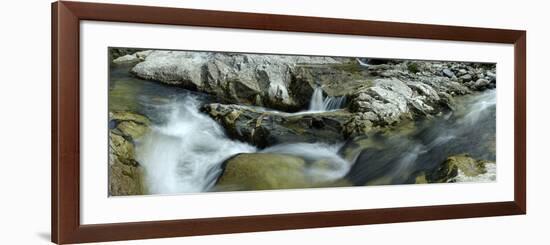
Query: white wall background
x=25, y=121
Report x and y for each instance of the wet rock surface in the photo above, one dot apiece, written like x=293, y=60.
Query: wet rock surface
x=267, y=128
x=452, y=167
x=125, y=172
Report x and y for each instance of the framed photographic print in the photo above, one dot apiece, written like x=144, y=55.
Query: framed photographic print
x=177, y=122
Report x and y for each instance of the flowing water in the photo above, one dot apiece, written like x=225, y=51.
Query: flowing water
x=184, y=153
x=319, y=104
x=337, y=168
x=470, y=129
x=185, y=150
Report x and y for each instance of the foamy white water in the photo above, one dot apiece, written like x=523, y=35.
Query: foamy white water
x=318, y=103
x=184, y=155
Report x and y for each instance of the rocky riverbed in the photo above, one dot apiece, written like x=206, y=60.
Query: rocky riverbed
x=204, y=121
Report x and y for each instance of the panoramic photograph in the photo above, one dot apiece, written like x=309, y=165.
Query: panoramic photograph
x=184, y=122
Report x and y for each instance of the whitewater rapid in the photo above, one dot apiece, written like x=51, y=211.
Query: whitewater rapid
x=184, y=154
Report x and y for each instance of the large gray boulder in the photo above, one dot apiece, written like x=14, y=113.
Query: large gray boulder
x=251, y=79
x=389, y=100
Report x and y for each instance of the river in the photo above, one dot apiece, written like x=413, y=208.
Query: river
x=185, y=150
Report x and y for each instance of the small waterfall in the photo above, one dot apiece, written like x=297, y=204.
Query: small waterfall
x=363, y=63
x=334, y=103
x=318, y=103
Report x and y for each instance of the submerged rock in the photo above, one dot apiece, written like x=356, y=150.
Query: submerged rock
x=267, y=171
x=265, y=128
x=125, y=172
x=263, y=171
x=354, y=146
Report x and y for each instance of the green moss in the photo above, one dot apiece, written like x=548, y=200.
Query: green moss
x=132, y=129
x=412, y=67
x=421, y=179
x=129, y=116
x=125, y=180
x=468, y=166
x=125, y=174
x=449, y=169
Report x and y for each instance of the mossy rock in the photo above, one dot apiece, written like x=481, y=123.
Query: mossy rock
x=129, y=116
x=421, y=179
x=322, y=165
x=413, y=67
x=125, y=179
x=122, y=149
x=467, y=165
x=126, y=176
x=263, y=171
x=450, y=168
x=125, y=173
x=132, y=129
x=129, y=124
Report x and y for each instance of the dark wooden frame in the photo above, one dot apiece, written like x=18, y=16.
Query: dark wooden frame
x=65, y=175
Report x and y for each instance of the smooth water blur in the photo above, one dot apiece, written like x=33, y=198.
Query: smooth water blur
x=185, y=149
x=185, y=153
x=471, y=129
x=334, y=166
x=129, y=93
